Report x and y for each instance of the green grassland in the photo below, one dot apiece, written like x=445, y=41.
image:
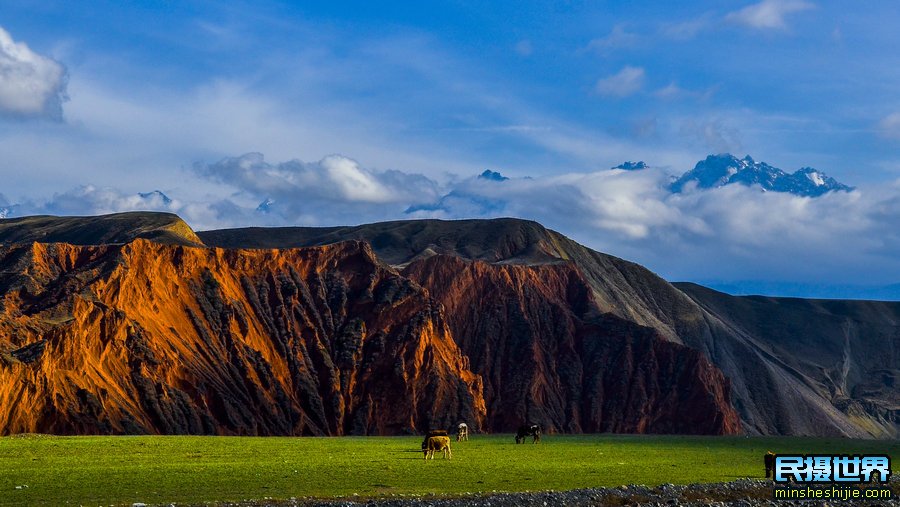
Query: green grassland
x=122, y=470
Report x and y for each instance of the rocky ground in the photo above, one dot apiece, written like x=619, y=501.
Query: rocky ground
x=740, y=493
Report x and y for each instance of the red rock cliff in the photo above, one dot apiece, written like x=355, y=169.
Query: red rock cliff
x=151, y=338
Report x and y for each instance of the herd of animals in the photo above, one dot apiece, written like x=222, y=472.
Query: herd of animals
x=439, y=440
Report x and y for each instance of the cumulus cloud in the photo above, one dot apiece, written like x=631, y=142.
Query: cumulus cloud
x=626, y=82
x=768, y=14
x=334, y=188
x=94, y=200
x=87, y=200
x=31, y=85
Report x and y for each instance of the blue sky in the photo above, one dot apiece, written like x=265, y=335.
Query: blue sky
x=361, y=111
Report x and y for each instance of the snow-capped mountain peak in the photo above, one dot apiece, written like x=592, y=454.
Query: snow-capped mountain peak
x=632, y=166
x=725, y=169
x=817, y=178
x=492, y=176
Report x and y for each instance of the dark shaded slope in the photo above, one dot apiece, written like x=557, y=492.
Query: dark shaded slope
x=98, y=230
x=845, y=354
x=547, y=355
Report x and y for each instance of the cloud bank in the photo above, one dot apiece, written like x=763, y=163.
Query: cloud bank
x=729, y=233
x=31, y=85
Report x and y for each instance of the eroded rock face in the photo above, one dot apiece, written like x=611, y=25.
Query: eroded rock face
x=144, y=337
x=547, y=354
x=152, y=338
x=795, y=366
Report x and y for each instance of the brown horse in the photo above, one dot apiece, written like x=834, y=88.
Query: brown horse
x=439, y=443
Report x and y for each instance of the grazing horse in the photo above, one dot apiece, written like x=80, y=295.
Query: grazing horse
x=462, y=432
x=437, y=443
x=769, y=461
x=532, y=430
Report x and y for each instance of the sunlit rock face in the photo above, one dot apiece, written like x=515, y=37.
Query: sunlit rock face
x=153, y=338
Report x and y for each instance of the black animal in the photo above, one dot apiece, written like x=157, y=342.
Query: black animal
x=529, y=430
x=769, y=460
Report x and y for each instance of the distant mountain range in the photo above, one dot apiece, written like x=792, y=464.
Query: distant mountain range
x=726, y=169
x=714, y=171
x=807, y=290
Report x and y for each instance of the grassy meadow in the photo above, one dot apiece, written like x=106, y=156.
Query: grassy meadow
x=154, y=470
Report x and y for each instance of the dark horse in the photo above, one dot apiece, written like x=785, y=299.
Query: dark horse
x=531, y=430
x=769, y=461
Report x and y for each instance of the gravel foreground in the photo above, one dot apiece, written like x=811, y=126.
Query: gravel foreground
x=740, y=493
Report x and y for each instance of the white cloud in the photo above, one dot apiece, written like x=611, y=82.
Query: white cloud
x=334, y=189
x=92, y=200
x=31, y=85
x=618, y=38
x=889, y=126
x=626, y=82
x=768, y=14
x=733, y=232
